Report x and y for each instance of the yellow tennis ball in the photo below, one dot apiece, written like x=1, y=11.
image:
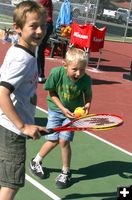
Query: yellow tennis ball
x=79, y=112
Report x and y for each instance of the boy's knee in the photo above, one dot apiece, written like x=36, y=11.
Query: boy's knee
x=63, y=142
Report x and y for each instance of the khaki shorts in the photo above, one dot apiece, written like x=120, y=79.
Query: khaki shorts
x=12, y=159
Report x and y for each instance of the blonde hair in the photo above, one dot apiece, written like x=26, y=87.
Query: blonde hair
x=21, y=10
x=78, y=56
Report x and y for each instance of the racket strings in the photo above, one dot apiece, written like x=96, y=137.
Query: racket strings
x=98, y=121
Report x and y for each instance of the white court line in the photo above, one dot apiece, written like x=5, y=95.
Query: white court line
x=37, y=184
x=48, y=192
x=42, y=188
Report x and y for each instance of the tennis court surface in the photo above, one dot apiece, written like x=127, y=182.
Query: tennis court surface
x=101, y=160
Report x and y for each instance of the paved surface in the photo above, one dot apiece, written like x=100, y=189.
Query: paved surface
x=111, y=93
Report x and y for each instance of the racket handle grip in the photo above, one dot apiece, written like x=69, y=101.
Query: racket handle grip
x=42, y=133
x=50, y=131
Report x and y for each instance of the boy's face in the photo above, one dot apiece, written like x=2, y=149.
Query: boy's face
x=75, y=71
x=33, y=31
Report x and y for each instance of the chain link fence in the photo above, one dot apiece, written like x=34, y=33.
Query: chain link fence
x=97, y=12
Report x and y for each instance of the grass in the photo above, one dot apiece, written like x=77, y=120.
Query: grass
x=119, y=39
x=5, y=18
x=5, y=21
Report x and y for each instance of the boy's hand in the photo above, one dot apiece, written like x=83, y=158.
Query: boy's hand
x=33, y=131
x=68, y=113
x=87, y=108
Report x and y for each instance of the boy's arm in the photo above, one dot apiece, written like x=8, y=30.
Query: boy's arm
x=87, y=95
x=8, y=108
x=87, y=105
x=57, y=101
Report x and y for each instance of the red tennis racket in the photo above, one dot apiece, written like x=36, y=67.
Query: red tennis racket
x=90, y=122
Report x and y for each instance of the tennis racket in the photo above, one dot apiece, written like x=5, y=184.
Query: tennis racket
x=90, y=122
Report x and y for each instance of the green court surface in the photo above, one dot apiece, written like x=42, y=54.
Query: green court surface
x=97, y=170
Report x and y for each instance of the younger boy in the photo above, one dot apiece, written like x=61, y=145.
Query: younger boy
x=18, y=82
x=69, y=87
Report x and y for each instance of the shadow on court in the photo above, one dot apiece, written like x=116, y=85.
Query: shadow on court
x=109, y=68
x=104, y=169
x=99, y=170
x=101, y=82
x=108, y=195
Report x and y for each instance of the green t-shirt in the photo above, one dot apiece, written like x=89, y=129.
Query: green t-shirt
x=69, y=92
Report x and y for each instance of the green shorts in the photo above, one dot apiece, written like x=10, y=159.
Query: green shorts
x=12, y=159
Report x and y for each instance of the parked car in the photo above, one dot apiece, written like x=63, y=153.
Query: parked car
x=124, y=15
x=5, y=1
x=109, y=15
x=79, y=8
x=15, y=2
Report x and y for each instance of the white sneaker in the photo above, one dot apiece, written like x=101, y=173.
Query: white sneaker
x=36, y=169
x=41, y=79
x=63, y=180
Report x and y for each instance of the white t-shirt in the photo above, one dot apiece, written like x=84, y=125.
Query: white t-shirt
x=19, y=74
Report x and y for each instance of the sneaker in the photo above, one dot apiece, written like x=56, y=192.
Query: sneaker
x=63, y=180
x=36, y=169
x=41, y=79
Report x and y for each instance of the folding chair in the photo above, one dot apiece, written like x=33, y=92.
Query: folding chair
x=97, y=45
x=88, y=37
x=81, y=36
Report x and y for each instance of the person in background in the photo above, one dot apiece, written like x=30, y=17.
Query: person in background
x=69, y=87
x=18, y=83
x=40, y=51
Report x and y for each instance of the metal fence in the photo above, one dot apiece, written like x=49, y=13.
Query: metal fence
x=96, y=12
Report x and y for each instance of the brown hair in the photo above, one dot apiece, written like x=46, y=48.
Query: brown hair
x=21, y=10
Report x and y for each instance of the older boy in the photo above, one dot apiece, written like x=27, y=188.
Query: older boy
x=18, y=82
